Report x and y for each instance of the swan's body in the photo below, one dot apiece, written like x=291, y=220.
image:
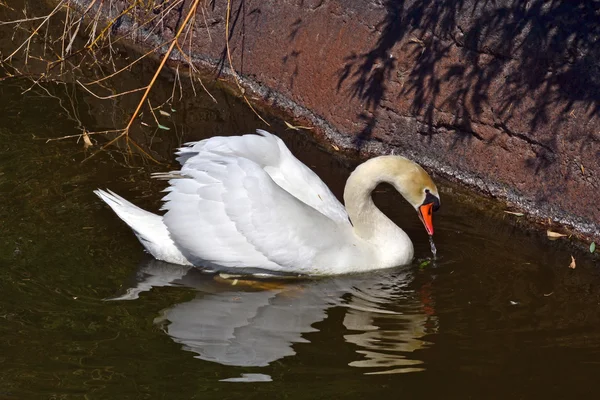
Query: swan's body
x=247, y=202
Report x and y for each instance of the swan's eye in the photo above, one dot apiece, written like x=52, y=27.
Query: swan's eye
x=431, y=199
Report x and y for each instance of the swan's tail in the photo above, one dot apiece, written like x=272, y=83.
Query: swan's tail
x=149, y=228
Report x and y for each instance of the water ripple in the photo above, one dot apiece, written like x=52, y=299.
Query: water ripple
x=252, y=323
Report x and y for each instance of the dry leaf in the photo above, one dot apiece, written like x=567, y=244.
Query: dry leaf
x=335, y=147
x=296, y=128
x=86, y=140
x=582, y=169
x=554, y=235
x=518, y=214
x=416, y=40
x=290, y=126
x=572, y=265
x=164, y=113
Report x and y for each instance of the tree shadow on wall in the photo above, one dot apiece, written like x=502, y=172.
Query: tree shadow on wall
x=539, y=57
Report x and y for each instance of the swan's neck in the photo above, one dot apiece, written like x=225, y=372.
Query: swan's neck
x=370, y=224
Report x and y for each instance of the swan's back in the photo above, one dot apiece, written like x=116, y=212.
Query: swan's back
x=271, y=154
x=246, y=201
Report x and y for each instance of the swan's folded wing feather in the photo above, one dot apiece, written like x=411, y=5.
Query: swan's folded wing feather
x=198, y=223
x=270, y=153
x=255, y=220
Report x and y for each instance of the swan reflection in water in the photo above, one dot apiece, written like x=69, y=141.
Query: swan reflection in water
x=255, y=322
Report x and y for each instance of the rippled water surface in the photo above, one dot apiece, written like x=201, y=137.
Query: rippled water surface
x=498, y=315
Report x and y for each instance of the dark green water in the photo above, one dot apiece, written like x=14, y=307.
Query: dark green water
x=499, y=316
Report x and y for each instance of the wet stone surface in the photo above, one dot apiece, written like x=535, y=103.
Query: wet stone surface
x=500, y=96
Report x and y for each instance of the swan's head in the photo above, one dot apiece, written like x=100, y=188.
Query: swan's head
x=416, y=186
x=408, y=177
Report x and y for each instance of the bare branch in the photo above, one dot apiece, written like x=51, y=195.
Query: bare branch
x=162, y=63
x=35, y=31
x=112, y=96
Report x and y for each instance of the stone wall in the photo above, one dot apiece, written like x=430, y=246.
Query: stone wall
x=501, y=95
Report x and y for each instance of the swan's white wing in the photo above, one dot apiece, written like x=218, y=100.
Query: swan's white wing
x=229, y=211
x=271, y=154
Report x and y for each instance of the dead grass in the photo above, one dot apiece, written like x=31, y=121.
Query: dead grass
x=87, y=40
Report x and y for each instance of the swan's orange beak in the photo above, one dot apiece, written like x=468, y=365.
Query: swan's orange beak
x=426, y=215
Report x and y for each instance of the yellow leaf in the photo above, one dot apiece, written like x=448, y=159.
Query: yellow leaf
x=518, y=214
x=86, y=140
x=296, y=128
x=417, y=41
x=290, y=126
x=554, y=235
x=572, y=265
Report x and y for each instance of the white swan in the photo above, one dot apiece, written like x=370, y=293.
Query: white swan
x=247, y=202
